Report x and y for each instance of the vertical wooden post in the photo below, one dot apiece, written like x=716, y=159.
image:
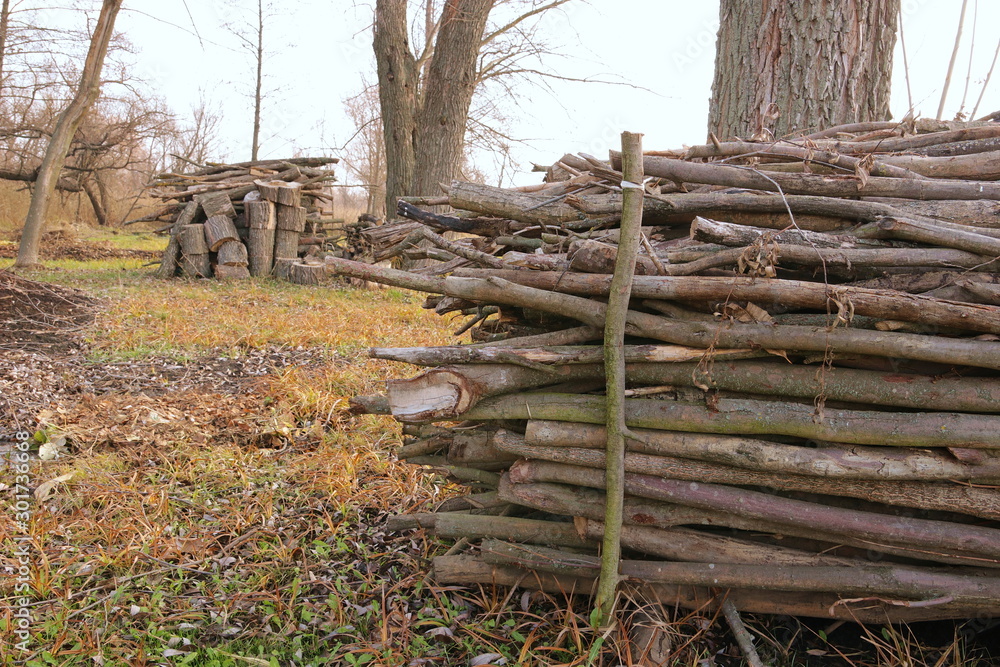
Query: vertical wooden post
x=614, y=364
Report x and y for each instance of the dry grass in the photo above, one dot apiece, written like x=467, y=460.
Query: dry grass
x=238, y=519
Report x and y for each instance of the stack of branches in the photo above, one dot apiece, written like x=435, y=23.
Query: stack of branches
x=238, y=220
x=812, y=358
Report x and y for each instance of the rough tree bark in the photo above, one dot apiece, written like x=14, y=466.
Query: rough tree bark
x=397, y=88
x=782, y=67
x=451, y=81
x=424, y=133
x=66, y=127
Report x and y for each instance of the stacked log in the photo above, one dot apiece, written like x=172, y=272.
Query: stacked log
x=812, y=357
x=250, y=213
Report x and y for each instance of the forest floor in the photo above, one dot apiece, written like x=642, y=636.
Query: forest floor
x=215, y=503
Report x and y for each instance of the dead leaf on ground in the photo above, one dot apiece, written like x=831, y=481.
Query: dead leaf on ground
x=46, y=489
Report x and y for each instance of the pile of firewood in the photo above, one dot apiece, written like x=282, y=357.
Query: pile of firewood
x=813, y=402
x=241, y=220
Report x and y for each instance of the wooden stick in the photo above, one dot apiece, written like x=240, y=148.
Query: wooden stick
x=467, y=570
x=880, y=303
x=882, y=581
x=555, y=355
x=983, y=503
x=743, y=637
x=856, y=462
x=809, y=184
x=913, y=230
x=695, y=334
x=846, y=162
x=745, y=417
x=447, y=392
x=734, y=235
x=924, y=538
x=614, y=364
x=561, y=489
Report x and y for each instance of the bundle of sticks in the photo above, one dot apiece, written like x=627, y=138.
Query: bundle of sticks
x=237, y=220
x=812, y=359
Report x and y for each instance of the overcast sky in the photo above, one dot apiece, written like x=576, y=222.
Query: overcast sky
x=320, y=52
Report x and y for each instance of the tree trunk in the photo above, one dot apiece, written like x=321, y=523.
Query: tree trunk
x=94, y=195
x=782, y=67
x=397, y=79
x=451, y=81
x=66, y=127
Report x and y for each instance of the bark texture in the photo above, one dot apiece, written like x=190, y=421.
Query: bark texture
x=424, y=120
x=397, y=87
x=451, y=81
x=782, y=67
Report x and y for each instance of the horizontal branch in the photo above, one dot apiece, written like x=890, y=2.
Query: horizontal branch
x=856, y=462
x=748, y=417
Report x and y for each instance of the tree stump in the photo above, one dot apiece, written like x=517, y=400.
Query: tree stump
x=306, y=274
x=232, y=253
x=219, y=230
x=260, y=215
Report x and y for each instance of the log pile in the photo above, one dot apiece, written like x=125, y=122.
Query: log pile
x=813, y=375
x=234, y=221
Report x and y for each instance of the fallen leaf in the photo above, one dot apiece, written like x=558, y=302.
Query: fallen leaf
x=46, y=489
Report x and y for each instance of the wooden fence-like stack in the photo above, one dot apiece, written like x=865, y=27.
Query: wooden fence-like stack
x=812, y=360
x=241, y=220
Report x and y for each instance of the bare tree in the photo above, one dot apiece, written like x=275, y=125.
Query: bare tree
x=62, y=136
x=250, y=33
x=782, y=67
x=4, y=23
x=196, y=141
x=427, y=84
x=364, y=154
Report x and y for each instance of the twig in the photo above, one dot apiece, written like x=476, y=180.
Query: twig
x=951, y=63
x=648, y=247
x=972, y=53
x=986, y=83
x=906, y=64
x=743, y=637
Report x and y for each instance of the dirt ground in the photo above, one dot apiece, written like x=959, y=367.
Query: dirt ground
x=63, y=245
x=44, y=370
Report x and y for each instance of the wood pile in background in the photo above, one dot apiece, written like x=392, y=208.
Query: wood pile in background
x=812, y=360
x=239, y=220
